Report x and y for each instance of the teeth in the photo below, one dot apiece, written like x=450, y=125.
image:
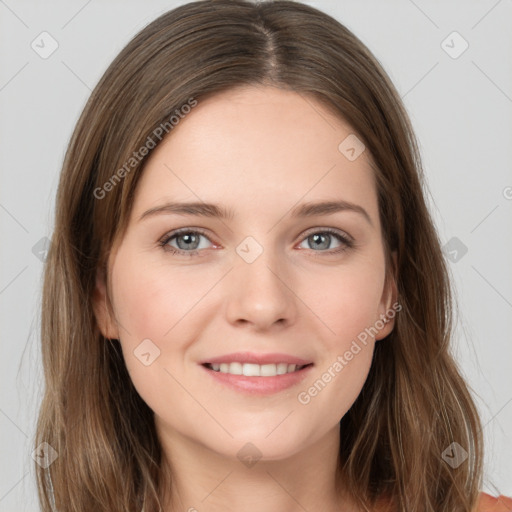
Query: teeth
x=282, y=368
x=255, y=370
x=249, y=370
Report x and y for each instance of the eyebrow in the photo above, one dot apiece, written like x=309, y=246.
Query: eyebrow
x=213, y=210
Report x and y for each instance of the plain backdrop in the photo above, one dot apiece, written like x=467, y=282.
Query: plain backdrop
x=457, y=88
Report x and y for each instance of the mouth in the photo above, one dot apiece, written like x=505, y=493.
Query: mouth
x=256, y=370
x=257, y=374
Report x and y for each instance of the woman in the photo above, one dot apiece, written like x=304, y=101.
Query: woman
x=246, y=304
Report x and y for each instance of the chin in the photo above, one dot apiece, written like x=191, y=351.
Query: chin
x=257, y=443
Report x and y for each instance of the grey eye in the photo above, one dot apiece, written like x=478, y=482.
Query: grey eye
x=320, y=241
x=187, y=241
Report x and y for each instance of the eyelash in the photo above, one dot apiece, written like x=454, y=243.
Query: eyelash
x=347, y=242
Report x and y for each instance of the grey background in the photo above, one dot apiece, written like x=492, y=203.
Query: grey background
x=461, y=109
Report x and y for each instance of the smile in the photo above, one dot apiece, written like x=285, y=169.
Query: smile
x=255, y=370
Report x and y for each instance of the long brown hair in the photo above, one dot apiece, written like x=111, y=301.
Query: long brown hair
x=414, y=404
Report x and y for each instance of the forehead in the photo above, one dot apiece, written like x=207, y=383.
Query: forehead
x=253, y=146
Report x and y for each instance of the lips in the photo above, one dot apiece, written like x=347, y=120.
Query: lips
x=260, y=374
x=268, y=384
x=259, y=359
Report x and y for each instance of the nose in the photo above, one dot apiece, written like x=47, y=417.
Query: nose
x=260, y=294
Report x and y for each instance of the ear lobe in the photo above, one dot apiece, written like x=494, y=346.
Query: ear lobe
x=389, y=304
x=100, y=301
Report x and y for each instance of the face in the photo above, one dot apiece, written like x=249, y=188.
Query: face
x=277, y=266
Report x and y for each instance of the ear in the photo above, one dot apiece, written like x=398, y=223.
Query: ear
x=102, y=308
x=388, y=306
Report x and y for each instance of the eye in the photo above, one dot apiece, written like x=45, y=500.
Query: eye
x=327, y=240
x=190, y=242
x=186, y=241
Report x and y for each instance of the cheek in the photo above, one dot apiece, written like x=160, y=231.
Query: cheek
x=162, y=303
x=150, y=300
x=347, y=300
x=150, y=303
x=334, y=386
x=344, y=362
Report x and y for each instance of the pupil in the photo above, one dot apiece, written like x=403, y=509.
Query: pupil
x=188, y=240
x=320, y=241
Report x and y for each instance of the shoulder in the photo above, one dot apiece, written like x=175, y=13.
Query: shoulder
x=488, y=503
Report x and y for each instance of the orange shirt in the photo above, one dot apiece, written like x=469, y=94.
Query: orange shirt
x=488, y=503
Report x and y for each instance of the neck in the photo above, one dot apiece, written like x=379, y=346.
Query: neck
x=203, y=480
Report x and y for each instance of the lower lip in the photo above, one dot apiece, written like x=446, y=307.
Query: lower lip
x=259, y=385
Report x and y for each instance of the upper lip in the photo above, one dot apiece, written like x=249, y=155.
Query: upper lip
x=251, y=357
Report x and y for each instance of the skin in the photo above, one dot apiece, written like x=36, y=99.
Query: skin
x=259, y=151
